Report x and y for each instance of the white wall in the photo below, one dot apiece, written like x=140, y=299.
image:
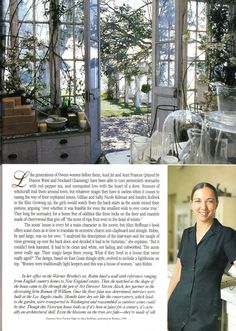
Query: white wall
x=181, y=179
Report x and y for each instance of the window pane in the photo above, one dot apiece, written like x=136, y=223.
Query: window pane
x=5, y=9
x=165, y=71
x=191, y=17
x=94, y=65
x=25, y=10
x=201, y=68
x=202, y=15
x=93, y=18
x=67, y=77
x=162, y=74
x=26, y=74
x=80, y=77
x=42, y=39
x=192, y=46
x=26, y=30
x=201, y=55
x=5, y=31
x=66, y=41
x=40, y=9
x=44, y=78
x=79, y=42
x=72, y=42
x=190, y=98
x=79, y=11
x=197, y=25
x=42, y=32
x=73, y=11
x=166, y=51
x=166, y=74
x=68, y=15
x=191, y=76
x=166, y=20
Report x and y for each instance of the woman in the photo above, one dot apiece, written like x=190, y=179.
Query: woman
x=205, y=250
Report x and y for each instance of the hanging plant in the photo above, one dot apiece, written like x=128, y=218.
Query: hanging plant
x=146, y=88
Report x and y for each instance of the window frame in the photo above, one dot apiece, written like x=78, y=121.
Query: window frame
x=10, y=17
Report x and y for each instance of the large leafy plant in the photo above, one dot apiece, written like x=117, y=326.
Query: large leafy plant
x=219, y=45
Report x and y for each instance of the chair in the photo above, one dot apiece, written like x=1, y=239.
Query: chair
x=195, y=107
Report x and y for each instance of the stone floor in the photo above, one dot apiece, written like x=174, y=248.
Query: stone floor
x=116, y=132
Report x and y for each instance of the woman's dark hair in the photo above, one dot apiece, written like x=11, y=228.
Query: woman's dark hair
x=202, y=185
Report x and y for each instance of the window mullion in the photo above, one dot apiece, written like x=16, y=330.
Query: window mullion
x=74, y=54
x=14, y=23
x=54, y=60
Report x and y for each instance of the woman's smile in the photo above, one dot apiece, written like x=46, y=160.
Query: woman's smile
x=204, y=204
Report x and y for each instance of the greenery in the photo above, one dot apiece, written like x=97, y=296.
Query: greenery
x=146, y=88
x=221, y=50
x=19, y=66
x=26, y=62
x=113, y=108
x=126, y=43
x=219, y=44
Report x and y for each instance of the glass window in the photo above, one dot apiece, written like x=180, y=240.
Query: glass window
x=165, y=46
x=38, y=39
x=93, y=18
x=166, y=20
x=41, y=10
x=196, y=29
x=94, y=65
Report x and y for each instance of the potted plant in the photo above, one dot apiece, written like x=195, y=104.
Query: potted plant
x=29, y=58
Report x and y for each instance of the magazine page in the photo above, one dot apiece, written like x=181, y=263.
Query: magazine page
x=84, y=247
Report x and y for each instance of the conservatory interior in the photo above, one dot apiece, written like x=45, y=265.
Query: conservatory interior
x=51, y=83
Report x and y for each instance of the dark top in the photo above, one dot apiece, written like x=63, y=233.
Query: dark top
x=195, y=304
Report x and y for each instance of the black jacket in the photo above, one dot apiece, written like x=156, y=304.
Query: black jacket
x=195, y=304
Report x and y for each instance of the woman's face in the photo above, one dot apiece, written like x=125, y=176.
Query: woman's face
x=204, y=204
